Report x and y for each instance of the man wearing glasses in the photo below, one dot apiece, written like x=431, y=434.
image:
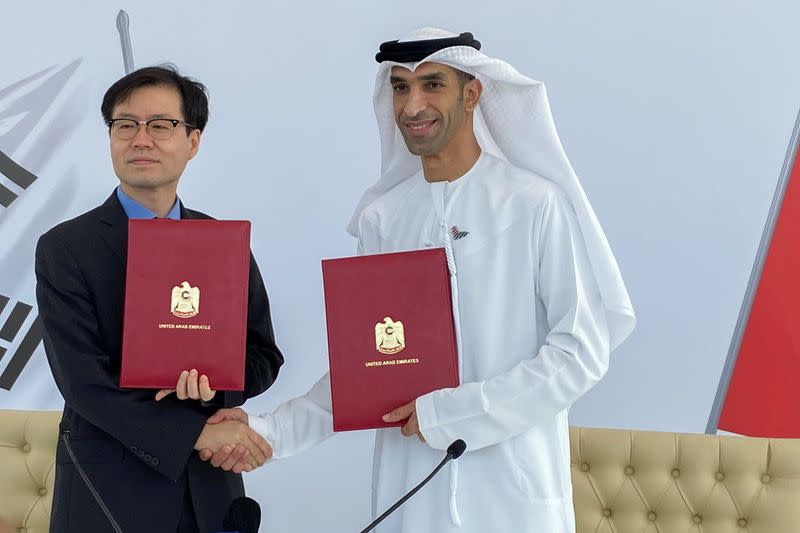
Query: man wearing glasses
x=136, y=448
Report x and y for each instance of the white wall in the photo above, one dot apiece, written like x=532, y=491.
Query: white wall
x=676, y=116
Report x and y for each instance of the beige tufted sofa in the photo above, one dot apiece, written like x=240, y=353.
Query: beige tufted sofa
x=648, y=482
x=27, y=468
x=623, y=481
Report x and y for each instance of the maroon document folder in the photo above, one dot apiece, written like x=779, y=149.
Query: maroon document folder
x=185, y=302
x=391, y=337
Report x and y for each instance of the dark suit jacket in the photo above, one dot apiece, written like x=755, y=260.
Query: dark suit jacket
x=137, y=452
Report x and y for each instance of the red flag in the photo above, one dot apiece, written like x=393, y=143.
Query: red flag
x=763, y=398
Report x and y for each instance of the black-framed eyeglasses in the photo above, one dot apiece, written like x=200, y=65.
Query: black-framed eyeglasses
x=160, y=129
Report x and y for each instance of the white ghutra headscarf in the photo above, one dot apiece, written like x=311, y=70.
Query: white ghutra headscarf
x=513, y=122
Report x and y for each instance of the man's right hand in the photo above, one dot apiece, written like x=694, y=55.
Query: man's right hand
x=233, y=445
x=236, y=413
x=230, y=457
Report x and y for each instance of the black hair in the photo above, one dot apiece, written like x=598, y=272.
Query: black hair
x=194, y=95
x=463, y=77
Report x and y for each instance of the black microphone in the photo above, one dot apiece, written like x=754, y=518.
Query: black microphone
x=454, y=451
x=243, y=516
x=95, y=494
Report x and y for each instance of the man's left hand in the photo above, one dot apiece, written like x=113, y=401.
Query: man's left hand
x=407, y=411
x=190, y=386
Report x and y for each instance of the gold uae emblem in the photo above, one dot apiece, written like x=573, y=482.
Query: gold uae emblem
x=185, y=301
x=389, y=336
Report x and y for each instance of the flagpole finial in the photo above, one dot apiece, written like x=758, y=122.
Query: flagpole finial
x=123, y=27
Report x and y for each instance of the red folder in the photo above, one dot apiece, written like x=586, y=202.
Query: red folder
x=391, y=337
x=185, y=302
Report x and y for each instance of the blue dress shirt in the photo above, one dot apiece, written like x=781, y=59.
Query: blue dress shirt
x=136, y=210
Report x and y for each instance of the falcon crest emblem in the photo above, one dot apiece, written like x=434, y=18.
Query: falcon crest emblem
x=185, y=301
x=389, y=336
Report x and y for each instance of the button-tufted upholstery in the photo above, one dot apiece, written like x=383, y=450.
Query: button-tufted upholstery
x=648, y=482
x=623, y=481
x=27, y=468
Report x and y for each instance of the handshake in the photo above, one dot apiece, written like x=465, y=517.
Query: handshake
x=231, y=444
x=226, y=440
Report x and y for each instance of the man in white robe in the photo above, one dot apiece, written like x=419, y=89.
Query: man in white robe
x=472, y=163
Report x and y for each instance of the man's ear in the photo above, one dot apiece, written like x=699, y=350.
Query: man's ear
x=472, y=94
x=194, y=141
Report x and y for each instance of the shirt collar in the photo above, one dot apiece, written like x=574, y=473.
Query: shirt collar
x=135, y=210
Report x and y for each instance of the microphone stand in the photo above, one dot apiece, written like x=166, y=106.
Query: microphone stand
x=97, y=497
x=402, y=500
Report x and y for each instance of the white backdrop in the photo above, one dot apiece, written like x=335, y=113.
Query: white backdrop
x=676, y=116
